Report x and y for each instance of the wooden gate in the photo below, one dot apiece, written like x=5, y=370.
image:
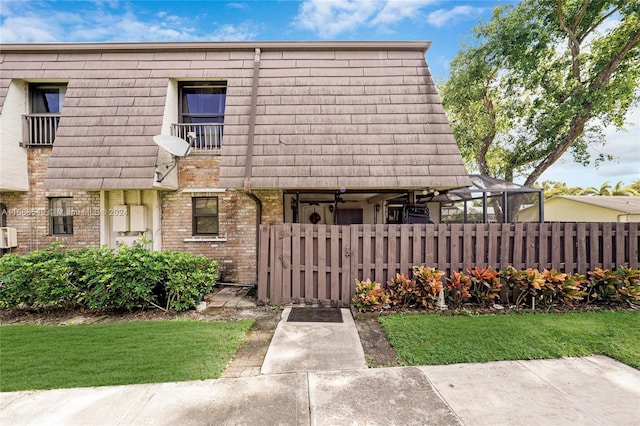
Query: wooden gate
x=320, y=263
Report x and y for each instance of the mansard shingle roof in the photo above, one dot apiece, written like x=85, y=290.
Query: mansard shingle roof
x=328, y=114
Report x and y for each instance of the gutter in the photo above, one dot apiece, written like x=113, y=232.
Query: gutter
x=249, y=156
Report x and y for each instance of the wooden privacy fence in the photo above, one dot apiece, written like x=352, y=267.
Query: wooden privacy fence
x=320, y=263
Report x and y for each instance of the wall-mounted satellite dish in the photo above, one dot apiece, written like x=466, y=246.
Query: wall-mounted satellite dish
x=173, y=145
x=176, y=147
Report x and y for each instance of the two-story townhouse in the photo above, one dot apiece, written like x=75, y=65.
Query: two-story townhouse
x=308, y=132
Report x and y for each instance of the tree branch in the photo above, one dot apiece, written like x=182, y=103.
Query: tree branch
x=604, y=75
x=574, y=45
x=597, y=24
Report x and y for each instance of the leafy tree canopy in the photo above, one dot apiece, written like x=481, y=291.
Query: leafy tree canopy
x=541, y=78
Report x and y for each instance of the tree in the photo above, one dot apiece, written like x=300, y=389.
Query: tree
x=542, y=78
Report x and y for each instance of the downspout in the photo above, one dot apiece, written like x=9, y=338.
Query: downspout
x=249, y=156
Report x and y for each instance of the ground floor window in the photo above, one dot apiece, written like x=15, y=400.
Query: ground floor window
x=205, y=215
x=60, y=216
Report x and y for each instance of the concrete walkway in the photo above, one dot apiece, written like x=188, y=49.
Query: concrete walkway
x=292, y=390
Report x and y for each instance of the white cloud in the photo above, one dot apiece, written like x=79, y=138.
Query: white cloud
x=442, y=17
x=238, y=6
x=395, y=11
x=30, y=25
x=624, y=146
x=243, y=32
x=328, y=18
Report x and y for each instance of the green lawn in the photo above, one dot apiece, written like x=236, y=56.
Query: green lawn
x=423, y=339
x=47, y=357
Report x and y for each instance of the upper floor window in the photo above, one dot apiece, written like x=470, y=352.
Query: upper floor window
x=47, y=98
x=201, y=113
x=45, y=106
x=61, y=215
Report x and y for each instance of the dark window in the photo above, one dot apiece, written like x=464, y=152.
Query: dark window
x=61, y=217
x=205, y=215
x=45, y=108
x=47, y=98
x=202, y=102
x=202, y=114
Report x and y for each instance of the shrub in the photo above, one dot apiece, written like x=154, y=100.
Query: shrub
x=129, y=278
x=429, y=285
x=402, y=290
x=482, y=286
x=457, y=289
x=369, y=295
x=485, y=285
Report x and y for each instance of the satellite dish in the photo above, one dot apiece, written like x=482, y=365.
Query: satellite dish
x=173, y=145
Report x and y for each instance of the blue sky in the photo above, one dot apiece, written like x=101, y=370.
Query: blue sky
x=444, y=22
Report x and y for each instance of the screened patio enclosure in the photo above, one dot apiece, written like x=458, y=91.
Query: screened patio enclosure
x=488, y=200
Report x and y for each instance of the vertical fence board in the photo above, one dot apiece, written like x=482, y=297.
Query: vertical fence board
x=531, y=249
x=263, y=263
x=336, y=256
x=285, y=260
x=322, y=262
x=569, y=246
x=543, y=246
x=555, y=246
x=392, y=258
x=620, y=249
x=430, y=244
x=594, y=246
x=404, y=249
x=634, y=237
x=518, y=245
x=379, y=245
x=296, y=261
x=367, y=260
x=492, y=244
x=480, y=252
x=607, y=245
x=308, y=263
x=350, y=256
x=455, y=246
x=417, y=232
x=277, y=264
x=505, y=253
x=442, y=248
x=581, y=237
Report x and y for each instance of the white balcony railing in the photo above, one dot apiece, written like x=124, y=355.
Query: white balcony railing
x=204, y=137
x=39, y=129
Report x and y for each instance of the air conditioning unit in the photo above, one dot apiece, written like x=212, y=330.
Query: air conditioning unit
x=8, y=238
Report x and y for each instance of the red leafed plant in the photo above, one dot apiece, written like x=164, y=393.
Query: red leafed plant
x=458, y=286
x=485, y=284
x=369, y=295
x=429, y=283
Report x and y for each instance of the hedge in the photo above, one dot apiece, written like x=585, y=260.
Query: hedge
x=93, y=278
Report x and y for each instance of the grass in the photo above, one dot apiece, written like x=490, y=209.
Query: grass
x=423, y=339
x=48, y=357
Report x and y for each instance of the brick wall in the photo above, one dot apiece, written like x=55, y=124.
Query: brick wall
x=28, y=212
x=235, y=245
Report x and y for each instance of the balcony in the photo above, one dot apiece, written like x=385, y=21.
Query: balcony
x=204, y=137
x=39, y=129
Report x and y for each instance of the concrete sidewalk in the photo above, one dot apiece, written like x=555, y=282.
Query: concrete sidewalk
x=593, y=390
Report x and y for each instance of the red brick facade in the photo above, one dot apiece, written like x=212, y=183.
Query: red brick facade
x=235, y=245
x=28, y=212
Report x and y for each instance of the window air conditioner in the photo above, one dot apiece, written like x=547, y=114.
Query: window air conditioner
x=8, y=238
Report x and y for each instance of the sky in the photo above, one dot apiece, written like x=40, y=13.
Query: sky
x=443, y=22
